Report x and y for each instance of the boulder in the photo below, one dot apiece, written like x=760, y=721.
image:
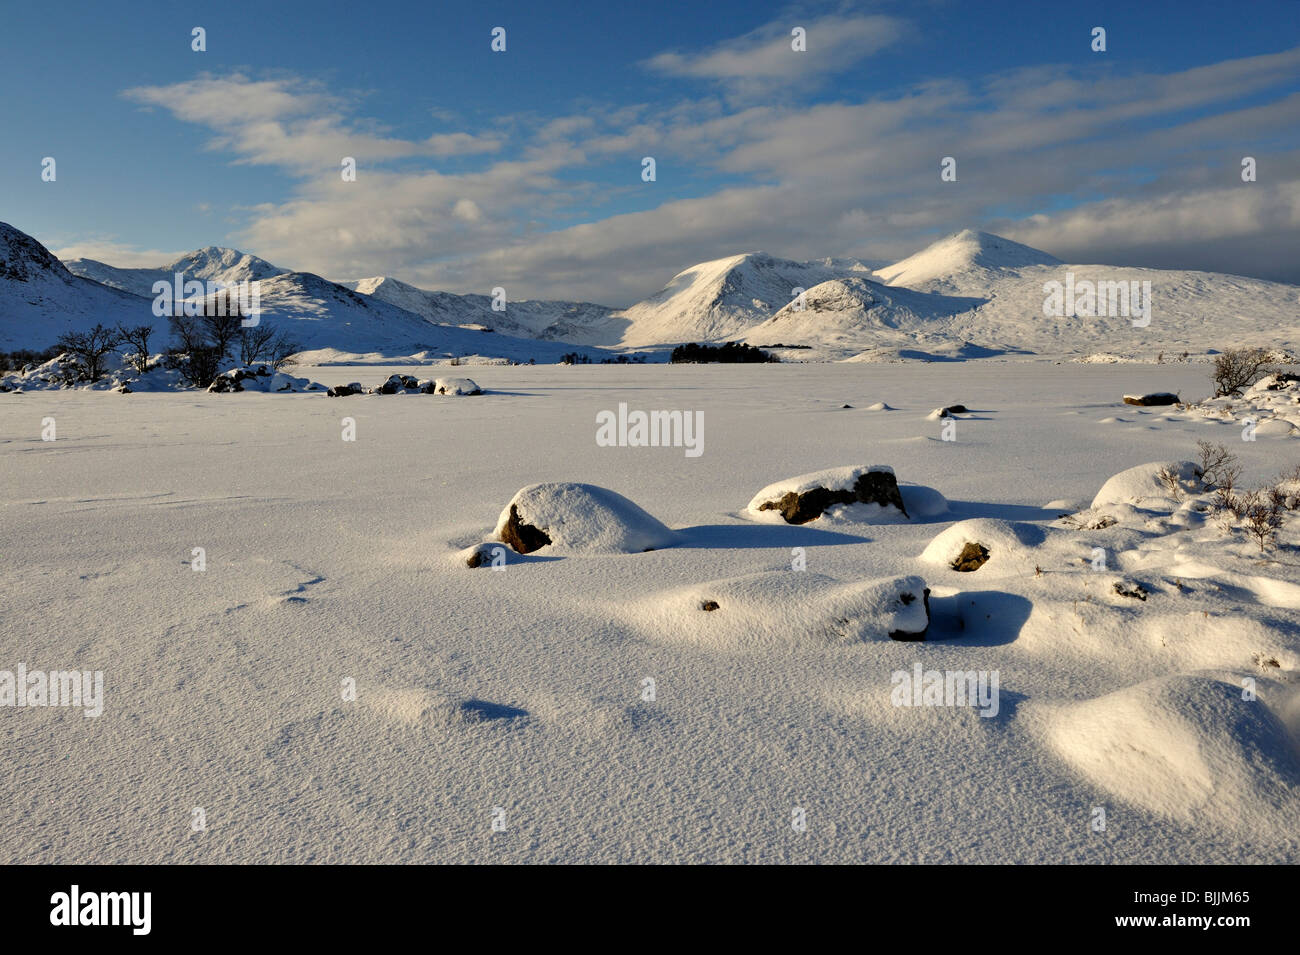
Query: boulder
x=1154, y=398
x=579, y=518
x=456, y=386
x=799, y=500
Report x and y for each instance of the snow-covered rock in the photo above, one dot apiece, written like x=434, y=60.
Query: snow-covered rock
x=871, y=489
x=456, y=386
x=1005, y=546
x=579, y=518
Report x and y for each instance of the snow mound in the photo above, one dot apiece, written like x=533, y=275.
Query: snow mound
x=1007, y=545
x=1188, y=748
x=456, y=386
x=781, y=607
x=922, y=501
x=1143, y=483
x=579, y=518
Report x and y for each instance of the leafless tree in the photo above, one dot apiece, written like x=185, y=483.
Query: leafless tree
x=89, y=349
x=137, y=337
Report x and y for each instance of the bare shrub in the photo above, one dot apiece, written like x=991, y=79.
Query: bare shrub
x=1237, y=369
x=1264, y=513
x=1169, y=478
x=1218, y=465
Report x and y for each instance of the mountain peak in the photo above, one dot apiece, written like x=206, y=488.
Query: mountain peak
x=962, y=253
x=22, y=258
x=221, y=264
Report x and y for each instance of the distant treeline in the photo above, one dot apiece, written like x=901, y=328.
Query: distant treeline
x=15, y=360
x=730, y=353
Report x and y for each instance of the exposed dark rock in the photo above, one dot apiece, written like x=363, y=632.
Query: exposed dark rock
x=972, y=557
x=342, y=391
x=951, y=410
x=482, y=554
x=905, y=635
x=1137, y=591
x=1155, y=398
x=873, y=487
x=709, y=605
x=524, y=538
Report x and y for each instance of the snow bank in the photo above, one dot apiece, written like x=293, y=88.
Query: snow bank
x=775, y=608
x=579, y=518
x=1188, y=748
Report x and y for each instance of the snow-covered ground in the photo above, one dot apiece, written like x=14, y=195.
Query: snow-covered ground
x=521, y=695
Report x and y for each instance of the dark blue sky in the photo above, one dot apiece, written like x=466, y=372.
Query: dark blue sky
x=476, y=167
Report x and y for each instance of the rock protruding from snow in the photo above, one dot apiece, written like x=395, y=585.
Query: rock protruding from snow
x=985, y=546
x=1188, y=748
x=579, y=518
x=805, y=498
x=1144, y=482
x=260, y=378
x=1153, y=399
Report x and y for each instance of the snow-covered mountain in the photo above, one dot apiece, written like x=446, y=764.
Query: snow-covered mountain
x=327, y=317
x=212, y=264
x=40, y=299
x=722, y=299
x=840, y=317
x=962, y=258
x=970, y=294
x=554, y=321
x=973, y=294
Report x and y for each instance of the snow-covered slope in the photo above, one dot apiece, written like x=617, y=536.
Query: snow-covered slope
x=323, y=315
x=557, y=321
x=724, y=298
x=40, y=299
x=977, y=295
x=212, y=264
x=954, y=261
x=842, y=317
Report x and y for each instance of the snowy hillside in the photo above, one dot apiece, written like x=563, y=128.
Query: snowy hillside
x=40, y=299
x=723, y=299
x=322, y=315
x=558, y=321
x=212, y=264
x=837, y=319
x=974, y=295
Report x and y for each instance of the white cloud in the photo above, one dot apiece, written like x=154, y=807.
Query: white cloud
x=835, y=178
x=764, y=59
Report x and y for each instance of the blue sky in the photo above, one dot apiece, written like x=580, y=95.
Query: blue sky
x=523, y=168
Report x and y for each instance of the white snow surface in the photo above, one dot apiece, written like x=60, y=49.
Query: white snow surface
x=329, y=560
